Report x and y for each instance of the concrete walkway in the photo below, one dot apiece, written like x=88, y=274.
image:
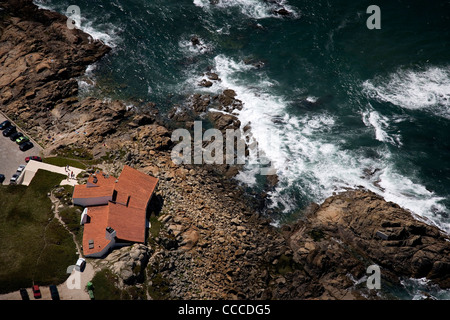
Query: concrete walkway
x=33, y=166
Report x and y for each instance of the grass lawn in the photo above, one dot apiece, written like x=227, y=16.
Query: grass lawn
x=62, y=162
x=34, y=246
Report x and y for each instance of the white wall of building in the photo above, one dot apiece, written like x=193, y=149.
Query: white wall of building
x=88, y=202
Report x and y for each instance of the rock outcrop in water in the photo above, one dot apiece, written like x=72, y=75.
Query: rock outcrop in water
x=355, y=229
x=40, y=59
x=207, y=240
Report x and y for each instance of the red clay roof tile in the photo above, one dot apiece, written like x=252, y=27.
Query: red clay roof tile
x=126, y=214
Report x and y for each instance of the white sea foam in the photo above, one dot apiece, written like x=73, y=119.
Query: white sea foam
x=312, y=99
x=107, y=33
x=427, y=89
x=380, y=123
x=413, y=196
x=190, y=49
x=308, y=158
x=87, y=81
x=42, y=4
x=252, y=8
x=421, y=289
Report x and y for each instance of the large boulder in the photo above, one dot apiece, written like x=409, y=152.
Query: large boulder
x=129, y=263
x=355, y=229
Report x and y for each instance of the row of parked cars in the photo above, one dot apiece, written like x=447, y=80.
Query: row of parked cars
x=79, y=266
x=9, y=130
x=37, y=292
x=16, y=175
x=19, y=171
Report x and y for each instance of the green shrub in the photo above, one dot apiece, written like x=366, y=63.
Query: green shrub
x=105, y=284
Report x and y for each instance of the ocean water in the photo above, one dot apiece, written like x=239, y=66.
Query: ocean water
x=332, y=104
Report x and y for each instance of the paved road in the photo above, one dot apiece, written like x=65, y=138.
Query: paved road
x=10, y=155
x=72, y=289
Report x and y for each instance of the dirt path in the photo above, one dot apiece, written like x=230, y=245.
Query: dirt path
x=56, y=203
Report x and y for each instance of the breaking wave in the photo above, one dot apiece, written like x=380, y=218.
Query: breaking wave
x=308, y=157
x=427, y=90
x=252, y=8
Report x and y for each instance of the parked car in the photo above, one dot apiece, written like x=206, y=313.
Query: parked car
x=90, y=290
x=22, y=140
x=24, y=294
x=2, y=178
x=16, y=135
x=80, y=265
x=20, y=169
x=14, y=178
x=91, y=294
x=54, y=292
x=5, y=124
x=36, y=292
x=26, y=146
x=9, y=131
x=35, y=158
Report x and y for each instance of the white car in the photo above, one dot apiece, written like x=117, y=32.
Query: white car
x=21, y=168
x=81, y=263
x=14, y=178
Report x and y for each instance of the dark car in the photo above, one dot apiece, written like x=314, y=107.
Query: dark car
x=54, y=292
x=36, y=292
x=26, y=146
x=24, y=294
x=16, y=135
x=2, y=178
x=22, y=140
x=5, y=124
x=35, y=158
x=9, y=131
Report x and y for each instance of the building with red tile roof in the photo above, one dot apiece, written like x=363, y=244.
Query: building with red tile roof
x=116, y=209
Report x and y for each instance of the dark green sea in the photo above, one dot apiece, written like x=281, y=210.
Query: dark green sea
x=332, y=104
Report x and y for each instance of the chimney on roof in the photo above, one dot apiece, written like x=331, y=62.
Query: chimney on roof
x=110, y=233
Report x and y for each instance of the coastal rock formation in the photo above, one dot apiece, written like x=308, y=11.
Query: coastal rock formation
x=40, y=57
x=207, y=240
x=357, y=228
x=128, y=263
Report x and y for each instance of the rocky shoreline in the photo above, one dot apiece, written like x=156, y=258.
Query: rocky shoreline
x=211, y=242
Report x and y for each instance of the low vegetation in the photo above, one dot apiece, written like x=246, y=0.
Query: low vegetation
x=105, y=288
x=104, y=282
x=62, y=162
x=35, y=247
